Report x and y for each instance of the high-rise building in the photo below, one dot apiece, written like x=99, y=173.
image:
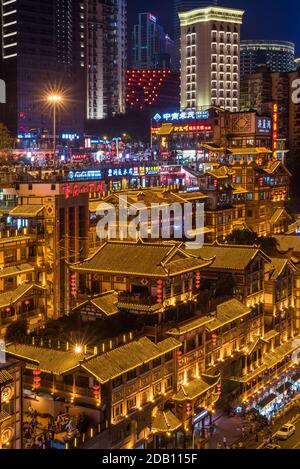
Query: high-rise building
x=184, y=5
x=38, y=57
x=263, y=89
x=210, y=58
x=278, y=56
x=106, y=63
x=151, y=46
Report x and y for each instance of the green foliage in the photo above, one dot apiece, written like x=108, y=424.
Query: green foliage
x=225, y=286
x=268, y=244
x=83, y=423
x=17, y=331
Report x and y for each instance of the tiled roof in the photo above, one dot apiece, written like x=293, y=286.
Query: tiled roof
x=229, y=257
x=46, y=359
x=190, y=325
x=278, y=264
x=106, y=303
x=164, y=422
x=11, y=297
x=15, y=270
x=287, y=242
x=279, y=213
x=142, y=259
x=196, y=387
x=116, y=362
x=227, y=312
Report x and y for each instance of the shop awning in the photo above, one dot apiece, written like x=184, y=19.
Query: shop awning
x=165, y=129
x=29, y=211
x=265, y=402
x=165, y=421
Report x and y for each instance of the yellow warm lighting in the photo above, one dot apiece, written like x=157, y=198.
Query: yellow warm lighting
x=78, y=349
x=54, y=98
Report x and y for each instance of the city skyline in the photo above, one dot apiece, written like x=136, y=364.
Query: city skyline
x=283, y=27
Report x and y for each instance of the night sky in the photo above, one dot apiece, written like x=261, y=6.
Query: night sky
x=264, y=19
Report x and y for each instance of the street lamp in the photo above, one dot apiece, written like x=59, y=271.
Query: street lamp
x=54, y=99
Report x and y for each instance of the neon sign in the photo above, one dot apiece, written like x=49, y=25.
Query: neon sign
x=275, y=129
x=193, y=128
x=152, y=18
x=264, y=125
x=75, y=189
x=179, y=116
x=85, y=174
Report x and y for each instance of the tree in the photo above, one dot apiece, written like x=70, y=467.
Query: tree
x=17, y=331
x=242, y=237
x=6, y=141
x=225, y=286
x=268, y=244
x=82, y=423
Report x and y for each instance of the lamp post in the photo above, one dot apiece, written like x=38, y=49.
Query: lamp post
x=54, y=99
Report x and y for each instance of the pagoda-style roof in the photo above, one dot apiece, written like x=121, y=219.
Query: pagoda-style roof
x=277, y=267
x=196, y=388
x=249, y=150
x=229, y=257
x=159, y=260
x=106, y=303
x=12, y=296
x=165, y=422
x=278, y=214
x=275, y=165
x=190, y=325
x=123, y=359
x=16, y=270
x=227, y=312
x=47, y=360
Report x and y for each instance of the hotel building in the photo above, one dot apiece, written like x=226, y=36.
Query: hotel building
x=210, y=58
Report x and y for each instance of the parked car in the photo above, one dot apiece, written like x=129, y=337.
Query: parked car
x=285, y=431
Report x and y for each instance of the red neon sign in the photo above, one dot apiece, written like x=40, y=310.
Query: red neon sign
x=275, y=129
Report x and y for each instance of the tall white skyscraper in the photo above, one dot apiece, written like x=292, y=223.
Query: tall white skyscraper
x=210, y=57
x=179, y=6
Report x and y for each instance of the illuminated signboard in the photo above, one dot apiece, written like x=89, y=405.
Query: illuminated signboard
x=70, y=137
x=180, y=116
x=275, y=129
x=264, y=125
x=152, y=18
x=193, y=128
x=85, y=174
x=75, y=189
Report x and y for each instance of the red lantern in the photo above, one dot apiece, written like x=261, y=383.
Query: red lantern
x=261, y=181
x=188, y=408
x=215, y=183
x=214, y=338
x=219, y=388
x=96, y=391
x=198, y=278
x=7, y=310
x=36, y=372
x=27, y=302
x=73, y=284
x=179, y=358
x=36, y=379
x=159, y=291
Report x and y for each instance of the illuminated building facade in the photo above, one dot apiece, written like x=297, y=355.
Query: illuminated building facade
x=159, y=89
x=210, y=58
x=180, y=6
x=48, y=59
x=261, y=90
x=105, y=56
x=151, y=47
x=278, y=56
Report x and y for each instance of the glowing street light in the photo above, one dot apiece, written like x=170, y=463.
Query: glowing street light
x=78, y=349
x=54, y=99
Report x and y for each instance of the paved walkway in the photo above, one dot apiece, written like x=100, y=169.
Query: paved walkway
x=230, y=427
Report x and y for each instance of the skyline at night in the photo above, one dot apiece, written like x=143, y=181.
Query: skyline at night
x=282, y=26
